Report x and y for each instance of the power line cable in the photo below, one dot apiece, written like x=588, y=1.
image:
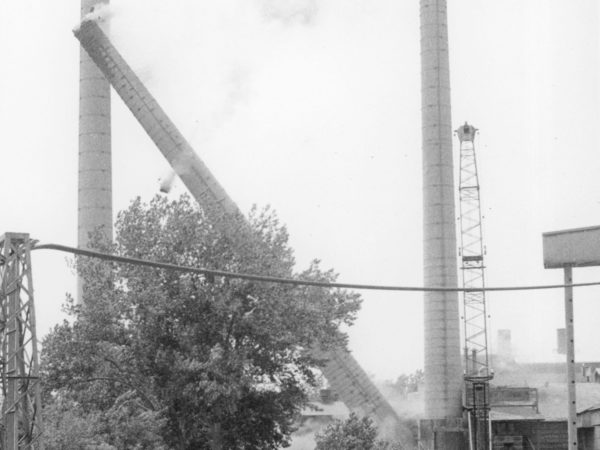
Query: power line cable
x=289, y=281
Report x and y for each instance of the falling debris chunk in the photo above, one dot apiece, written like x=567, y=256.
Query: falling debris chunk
x=166, y=182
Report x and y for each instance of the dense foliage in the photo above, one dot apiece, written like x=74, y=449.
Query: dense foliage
x=354, y=433
x=165, y=359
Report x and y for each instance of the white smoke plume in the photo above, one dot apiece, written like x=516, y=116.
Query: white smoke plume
x=100, y=12
x=181, y=166
x=304, y=437
x=290, y=11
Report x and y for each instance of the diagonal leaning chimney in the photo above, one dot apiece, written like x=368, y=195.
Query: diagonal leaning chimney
x=443, y=373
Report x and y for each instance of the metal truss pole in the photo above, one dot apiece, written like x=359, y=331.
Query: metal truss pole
x=21, y=391
x=477, y=369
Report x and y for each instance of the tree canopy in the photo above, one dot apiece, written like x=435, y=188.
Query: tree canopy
x=165, y=359
x=354, y=433
x=406, y=384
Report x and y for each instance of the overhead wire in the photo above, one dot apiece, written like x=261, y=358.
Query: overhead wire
x=290, y=281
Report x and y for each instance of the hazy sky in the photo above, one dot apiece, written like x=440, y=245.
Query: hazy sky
x=313, y=107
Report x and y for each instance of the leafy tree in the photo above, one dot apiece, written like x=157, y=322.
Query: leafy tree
x=68, y=426
x=415, y=379
x=409, y=383
x=354, y=433
x=188, y=361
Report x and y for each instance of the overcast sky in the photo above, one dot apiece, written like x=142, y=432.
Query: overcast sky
x=313, y=107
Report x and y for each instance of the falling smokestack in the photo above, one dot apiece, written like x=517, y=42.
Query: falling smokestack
x=443, y=372
x=95, y=173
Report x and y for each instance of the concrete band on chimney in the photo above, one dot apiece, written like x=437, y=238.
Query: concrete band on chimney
x=443, y=372
x=95, y=172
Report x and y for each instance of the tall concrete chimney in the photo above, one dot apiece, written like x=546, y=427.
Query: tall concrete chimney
x=443, y=371
x=95, y=173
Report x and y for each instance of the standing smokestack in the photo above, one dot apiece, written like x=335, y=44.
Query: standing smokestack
x=443, y=373
x=95, y=173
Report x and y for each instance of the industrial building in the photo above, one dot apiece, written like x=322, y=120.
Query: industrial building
x=588, y=428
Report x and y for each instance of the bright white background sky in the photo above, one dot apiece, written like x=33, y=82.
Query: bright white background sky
x=313, y=107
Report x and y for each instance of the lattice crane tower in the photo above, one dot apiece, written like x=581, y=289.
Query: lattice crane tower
x=477, y=367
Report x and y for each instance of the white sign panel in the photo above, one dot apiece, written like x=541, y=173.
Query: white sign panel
x=577, y=247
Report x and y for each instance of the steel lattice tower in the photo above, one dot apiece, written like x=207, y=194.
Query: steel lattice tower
x=477, y=369
x=21, y=392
